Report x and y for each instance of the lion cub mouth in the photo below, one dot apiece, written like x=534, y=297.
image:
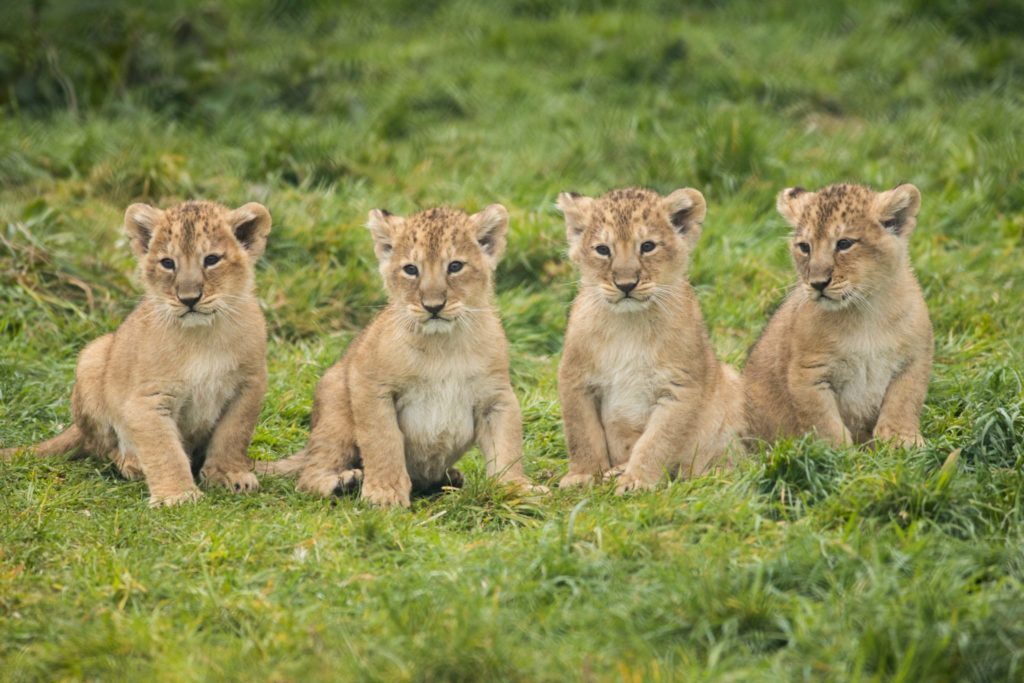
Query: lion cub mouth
x=196, y=318
x=436, y=325
x=629, y=304
x=833, y=303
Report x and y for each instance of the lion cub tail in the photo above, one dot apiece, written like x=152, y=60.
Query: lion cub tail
x=68, y=442
x=289, y=466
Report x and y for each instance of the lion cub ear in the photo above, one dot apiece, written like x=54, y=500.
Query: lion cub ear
x=250, y=224
x=491, y=226
x=576, y=208
x=382, y=224
x=686, y=211
x=140, y=220
x=897, y=209
x=791, y=202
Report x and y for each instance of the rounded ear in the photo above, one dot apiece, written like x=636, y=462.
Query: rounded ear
x=250, y=224
x=382, y=224
x=491, y=227
x=140, y=220
x=897, y=209
x=576, y=209
x=791, y=202
x=686, y=211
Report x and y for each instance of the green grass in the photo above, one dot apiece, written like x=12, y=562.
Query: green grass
x=803, y=564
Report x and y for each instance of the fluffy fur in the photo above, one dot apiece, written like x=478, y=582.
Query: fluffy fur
x=642, y=392
x=428, y=378
x=849, y=353
x=184, y=375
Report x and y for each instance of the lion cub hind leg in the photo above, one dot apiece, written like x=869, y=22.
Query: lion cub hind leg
x=333, y=466
x=332, y=463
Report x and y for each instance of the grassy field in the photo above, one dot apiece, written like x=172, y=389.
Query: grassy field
x=805, y=563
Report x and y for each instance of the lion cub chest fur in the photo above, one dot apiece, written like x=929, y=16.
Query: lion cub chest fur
x=209, y=379
x=435, y=413
x=864, y=363
x=626, y=376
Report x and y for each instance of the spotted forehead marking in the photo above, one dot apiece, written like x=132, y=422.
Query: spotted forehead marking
x=434, y=230
x=625, y=209
x=834, y=206
x=192, y=220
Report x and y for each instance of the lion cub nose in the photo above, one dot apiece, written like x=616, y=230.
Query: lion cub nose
x=627, y=287
x=434, y=310
x=190, y=301
x=820, y=285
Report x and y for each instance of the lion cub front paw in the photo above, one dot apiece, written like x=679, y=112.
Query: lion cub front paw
x=348, y=481
x=573, y=480
x=528, y=487
x=240, y=481
x=387, y=495
x=613, y=473
x=129, y=466
x=330, y=483
x=627, y=482
x=170, y=499
x=904, y=439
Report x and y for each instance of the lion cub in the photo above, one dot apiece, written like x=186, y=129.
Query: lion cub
x=184, y=375
x=641, y=389
x=849, y=353
x=428, y=377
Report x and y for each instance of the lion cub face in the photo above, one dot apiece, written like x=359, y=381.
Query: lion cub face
x=197, y=258
x=631, y=244
x=438, y=264
x=848, y=241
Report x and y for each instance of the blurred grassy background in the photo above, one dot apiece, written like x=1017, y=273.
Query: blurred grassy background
x=805, y=563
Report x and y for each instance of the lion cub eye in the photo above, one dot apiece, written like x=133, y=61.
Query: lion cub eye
x=455, y=266
x=603, y=250
x=167, y=263
x=410, y=269
x=804, y=247
x=647, y=247
x=844, y=244
x=211, y=260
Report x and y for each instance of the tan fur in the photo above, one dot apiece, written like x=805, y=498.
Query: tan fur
x=852, y=361
x=413, y=393
x=172, y=382
x=642, y=392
